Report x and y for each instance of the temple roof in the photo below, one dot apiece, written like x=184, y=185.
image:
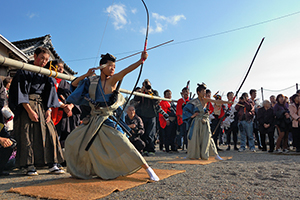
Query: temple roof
x=28, y=46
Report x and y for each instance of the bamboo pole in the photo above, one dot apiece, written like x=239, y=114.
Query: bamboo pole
x=145, y=95
x=28, y=67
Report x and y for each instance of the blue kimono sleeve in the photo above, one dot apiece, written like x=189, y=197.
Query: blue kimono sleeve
x=19, y=90
x=72, y=88
x=77, y=96
x=50, y=95
x=188, y=110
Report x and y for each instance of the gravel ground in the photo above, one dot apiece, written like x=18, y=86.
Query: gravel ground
x=248, y=175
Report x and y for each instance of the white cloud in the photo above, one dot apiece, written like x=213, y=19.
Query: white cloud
x=176, y=18
x=31, y=15
x=134, y=10
x=161, y=22
x=119, y=16
x=159, y=27
x=118, y=13
x=158, y=17
x=171, y=20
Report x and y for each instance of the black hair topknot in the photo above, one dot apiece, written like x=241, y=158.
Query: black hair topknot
x=107, y=57
x=201, y=87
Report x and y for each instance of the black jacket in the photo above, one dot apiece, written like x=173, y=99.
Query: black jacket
x=265, y=117
x=147, y=107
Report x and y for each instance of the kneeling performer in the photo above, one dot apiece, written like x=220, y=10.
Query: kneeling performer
x=111, y=154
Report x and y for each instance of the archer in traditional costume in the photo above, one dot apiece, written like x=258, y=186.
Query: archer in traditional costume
x=200, y=143
x=111, y=154
x=31, y=97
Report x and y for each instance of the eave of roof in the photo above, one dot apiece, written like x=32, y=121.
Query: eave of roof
x=13, y=48
x=23, y=44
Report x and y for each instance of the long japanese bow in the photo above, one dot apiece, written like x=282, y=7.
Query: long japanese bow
x=237, y=92
x=119, y=84
x=248, y=69
x=141, y=69
x=145, y=48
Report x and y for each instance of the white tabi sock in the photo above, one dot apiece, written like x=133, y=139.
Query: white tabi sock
x=218, y=157
x=152, y=174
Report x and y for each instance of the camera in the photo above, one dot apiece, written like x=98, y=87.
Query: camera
x=147, y=86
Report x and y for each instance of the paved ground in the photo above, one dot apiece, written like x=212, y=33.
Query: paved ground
x=248, y=175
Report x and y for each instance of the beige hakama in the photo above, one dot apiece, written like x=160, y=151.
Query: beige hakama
x=201, y=145
x=110, y=155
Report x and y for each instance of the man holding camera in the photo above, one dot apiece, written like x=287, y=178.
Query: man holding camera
x=148, y=109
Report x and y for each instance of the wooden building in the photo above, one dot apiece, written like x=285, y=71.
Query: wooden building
x=23, y=50
x=7, y=49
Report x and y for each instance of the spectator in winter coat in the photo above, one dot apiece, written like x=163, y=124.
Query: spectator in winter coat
x=294, y=109
x=265, y=117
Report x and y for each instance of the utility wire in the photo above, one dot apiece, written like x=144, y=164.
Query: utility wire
x=103, y=35
x=80, y=59
x=236, y=29
x=202, y=37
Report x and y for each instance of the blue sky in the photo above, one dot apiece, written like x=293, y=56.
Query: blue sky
x=220, y=60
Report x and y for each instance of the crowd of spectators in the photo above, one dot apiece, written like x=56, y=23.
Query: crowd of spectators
x=246, y=120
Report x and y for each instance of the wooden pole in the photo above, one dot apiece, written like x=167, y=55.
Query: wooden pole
x=28, y=67
x=262, y=93
x=242, y=82
x=32, y=68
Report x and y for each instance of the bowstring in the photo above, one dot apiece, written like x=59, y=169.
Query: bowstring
x=102, y=92
x=141, y=69
x=103, y=34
